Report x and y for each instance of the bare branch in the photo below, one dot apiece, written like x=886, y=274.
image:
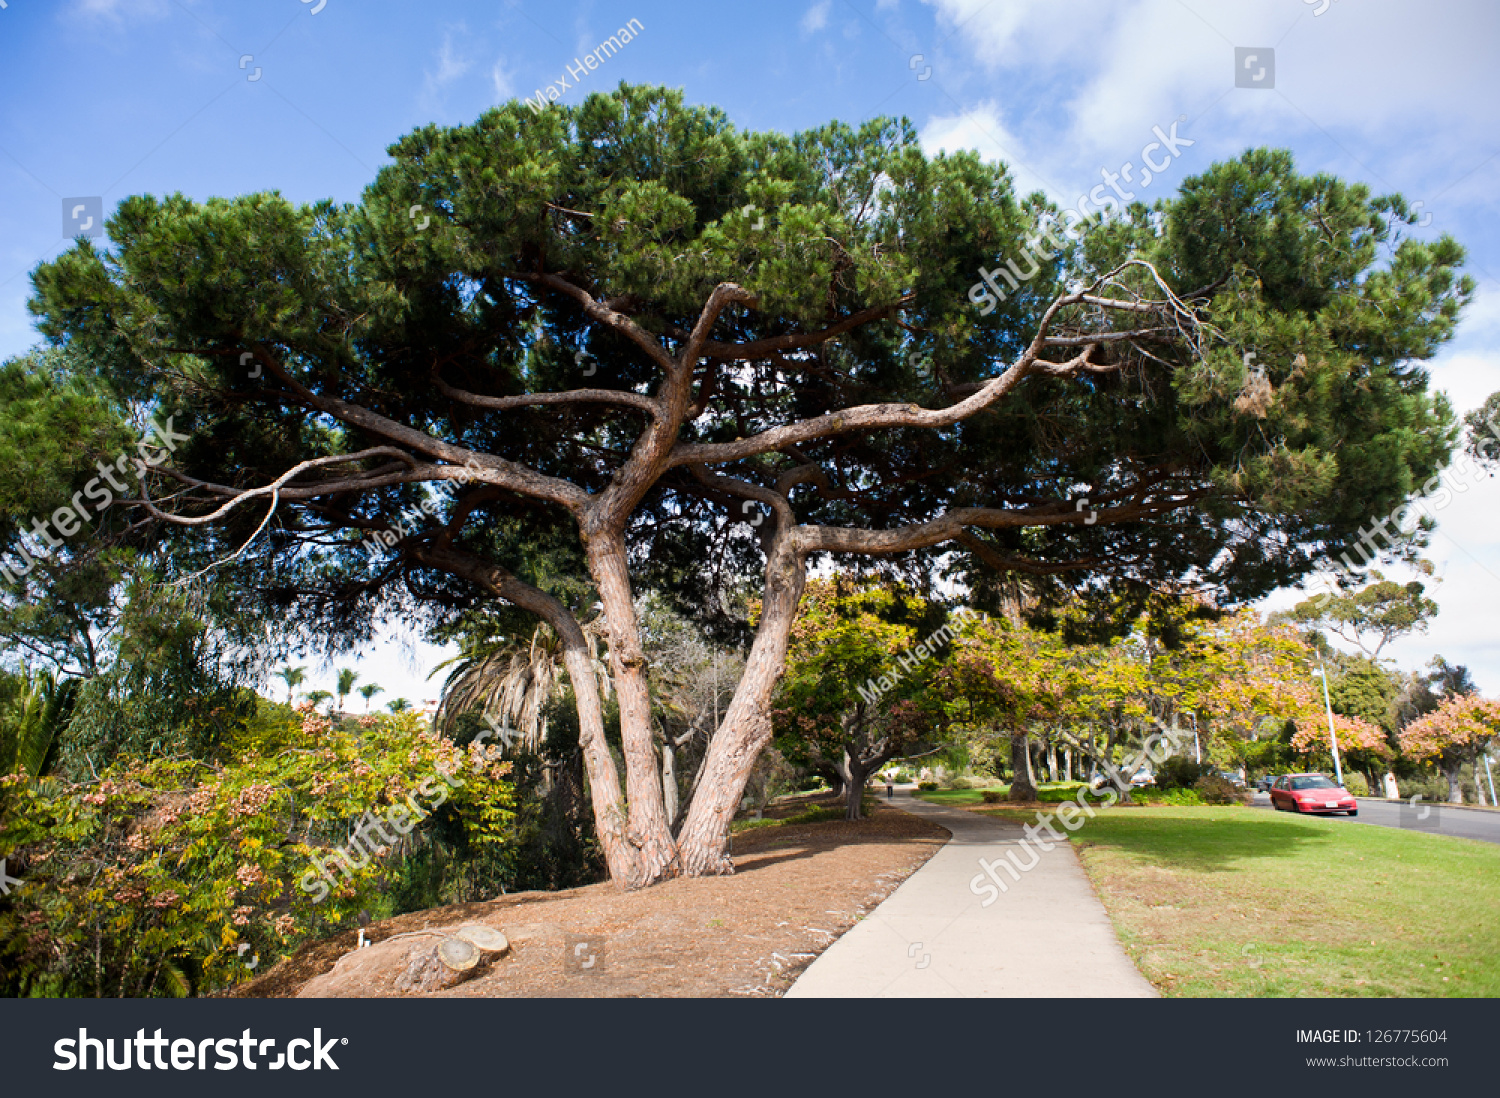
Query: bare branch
x=760, y=348
x=723, y=294
x=1002, y=563
x=870, y=417
x=274, y=489
x=947, y=527
x=573, y=396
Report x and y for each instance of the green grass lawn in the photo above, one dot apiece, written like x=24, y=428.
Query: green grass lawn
x=1236, y=902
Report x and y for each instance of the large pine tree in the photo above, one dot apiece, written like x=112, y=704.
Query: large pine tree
x=635, y=343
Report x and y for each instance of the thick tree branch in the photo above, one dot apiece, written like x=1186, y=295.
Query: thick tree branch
x=760, y=348
x=1002, y=563
x=485, y=467
x=598, y=312
x=871, y=417
x=947, y=527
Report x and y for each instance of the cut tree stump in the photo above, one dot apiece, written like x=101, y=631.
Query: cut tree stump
x=452, y=959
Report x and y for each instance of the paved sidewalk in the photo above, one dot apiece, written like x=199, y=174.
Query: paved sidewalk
x=1047, y=936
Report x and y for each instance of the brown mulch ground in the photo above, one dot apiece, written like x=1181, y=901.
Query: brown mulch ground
x=795, y=890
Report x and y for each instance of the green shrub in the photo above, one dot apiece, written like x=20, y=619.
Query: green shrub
x=1431, y=787
x=1214, y=788
x=1180, y=772
x=964, y=781
x=927, y=787
x=1058, y=792
x=1355, y=783
x=1176, y=798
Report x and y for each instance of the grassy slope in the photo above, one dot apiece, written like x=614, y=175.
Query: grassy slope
x=1234, y=902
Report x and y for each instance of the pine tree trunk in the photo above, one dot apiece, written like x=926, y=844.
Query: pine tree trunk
x=610, y=821
x=704, y=841
x=648, y=828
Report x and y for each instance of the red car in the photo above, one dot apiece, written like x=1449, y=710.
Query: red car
x=1311, y=793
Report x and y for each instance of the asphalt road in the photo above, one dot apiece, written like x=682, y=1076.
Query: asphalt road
x=1439, y=819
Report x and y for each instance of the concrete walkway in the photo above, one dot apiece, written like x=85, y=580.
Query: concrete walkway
x=1046, y=936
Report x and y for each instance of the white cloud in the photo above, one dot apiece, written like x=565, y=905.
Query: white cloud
x=504, y=86
x=450, y=67
x=983, y=130
x=817, y=17
x=1369, y=71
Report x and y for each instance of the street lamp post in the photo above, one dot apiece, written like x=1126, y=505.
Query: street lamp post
x=1333, y=742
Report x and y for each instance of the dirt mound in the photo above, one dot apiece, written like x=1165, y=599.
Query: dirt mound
x=795, y=890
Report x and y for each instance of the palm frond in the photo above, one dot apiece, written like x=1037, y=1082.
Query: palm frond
x=511, y=681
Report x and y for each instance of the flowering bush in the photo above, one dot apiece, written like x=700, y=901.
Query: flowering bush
x=173, y=876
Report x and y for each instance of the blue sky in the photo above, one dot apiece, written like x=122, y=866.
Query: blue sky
x=109, y=98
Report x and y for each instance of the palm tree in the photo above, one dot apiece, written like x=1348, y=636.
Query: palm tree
x=368, y=691
x=347, y=678
x=34, y=710
x=293, y=677
x=511, y=681
x=400, y=705
x=318, y=697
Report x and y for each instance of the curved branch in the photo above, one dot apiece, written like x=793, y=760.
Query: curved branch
x=723, y=294
x=485, y=467
x=947, y=527
x=761, y=347
x=573, y=396
x=1002, y=563
x=879, y=416
x=273, y=489
x=602, y=314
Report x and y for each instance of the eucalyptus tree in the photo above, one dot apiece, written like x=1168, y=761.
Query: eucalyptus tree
x=687, y=357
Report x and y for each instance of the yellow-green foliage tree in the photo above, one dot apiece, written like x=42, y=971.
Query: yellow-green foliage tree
x=860, y=686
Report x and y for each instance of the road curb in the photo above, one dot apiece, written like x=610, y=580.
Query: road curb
x=1434, y=804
